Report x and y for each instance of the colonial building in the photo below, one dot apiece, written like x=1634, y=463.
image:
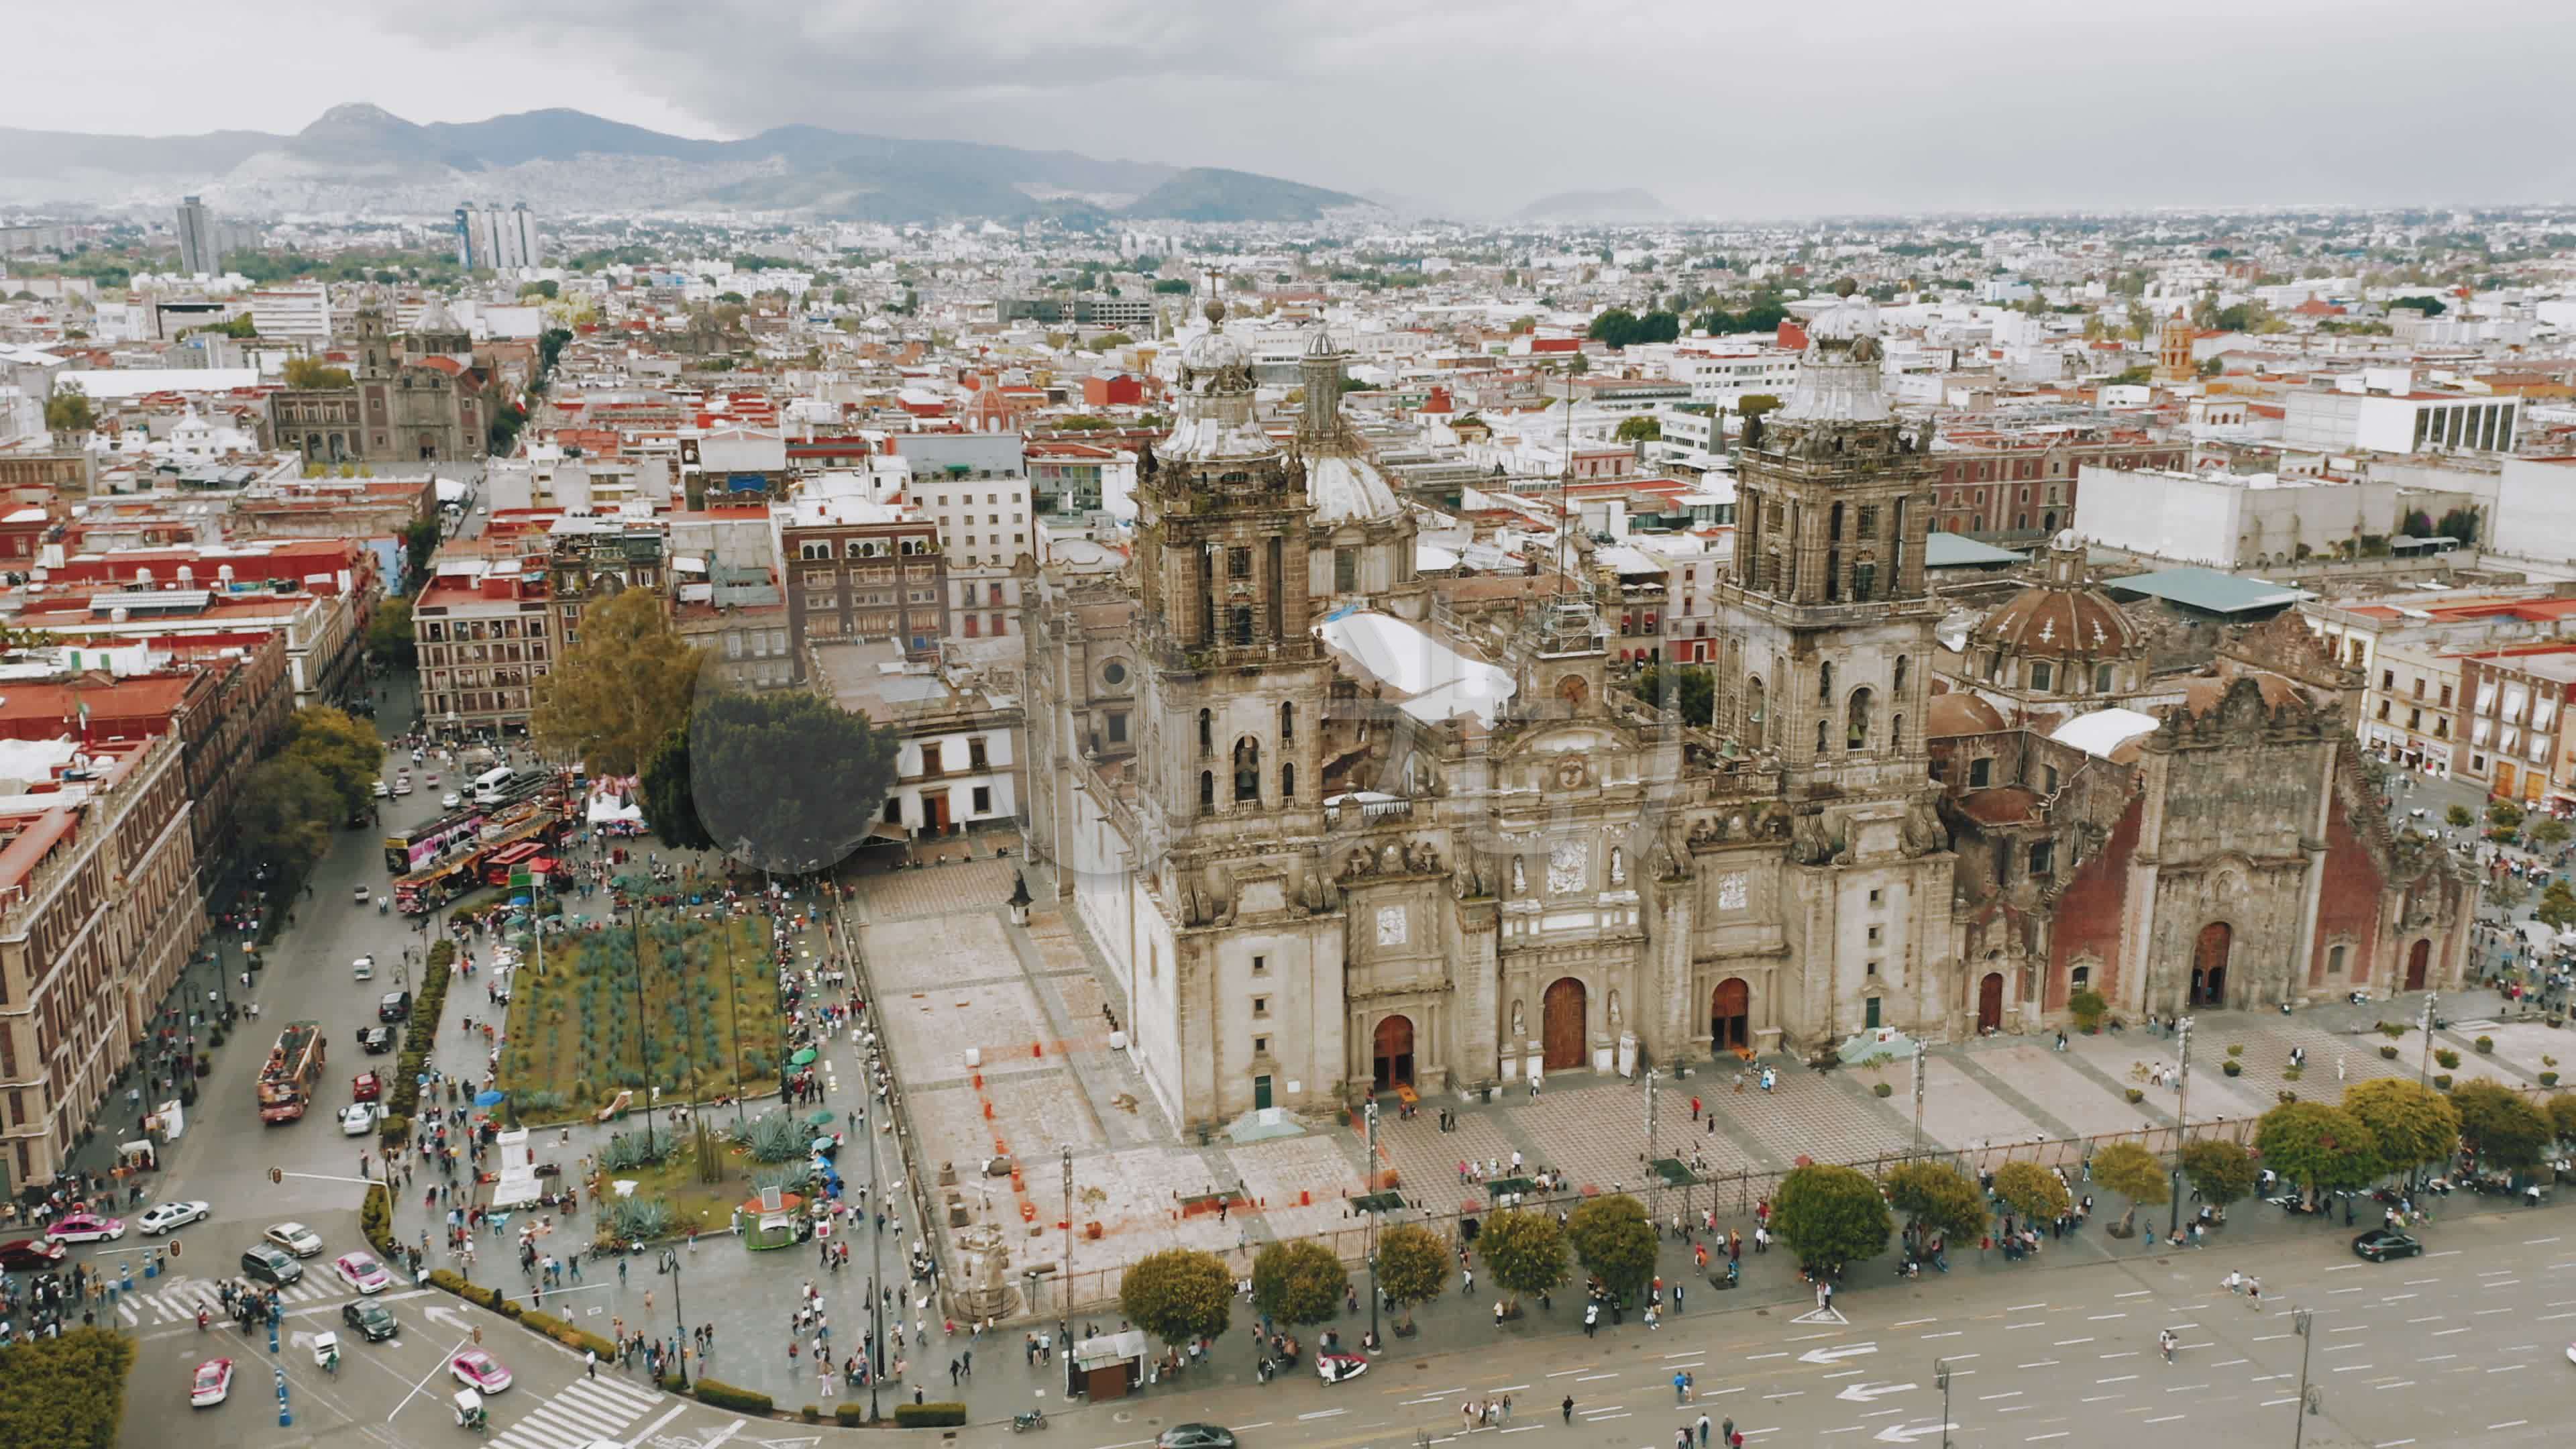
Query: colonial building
x=424, y=401
x=1334, y=837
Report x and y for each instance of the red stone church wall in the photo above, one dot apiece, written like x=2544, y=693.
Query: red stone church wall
x=2091, y=911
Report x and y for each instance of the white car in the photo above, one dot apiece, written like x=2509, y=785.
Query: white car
x=357, y=1119
x=451, y=802
x=295, y=1238
x=382, y=789
x=362, y=1272
x=162, y=1217
x=402, y=786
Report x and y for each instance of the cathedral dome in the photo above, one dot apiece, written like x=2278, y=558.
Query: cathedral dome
x=1212, y=356
x=2051, y=622
x=1346, y=489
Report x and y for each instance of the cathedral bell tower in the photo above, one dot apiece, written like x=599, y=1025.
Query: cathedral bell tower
x=1238, y=679
x=1835, y=505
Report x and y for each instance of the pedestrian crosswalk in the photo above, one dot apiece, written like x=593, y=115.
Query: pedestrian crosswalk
x=176, y=1300
x=582, y=1413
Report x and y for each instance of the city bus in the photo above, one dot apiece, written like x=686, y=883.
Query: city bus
x=413, y=849
x=293, y=1064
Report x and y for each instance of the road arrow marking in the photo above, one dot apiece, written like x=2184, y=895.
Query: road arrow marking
x=1837, y=1353
x=1908, y=1433
x=1822, y=1315
x=449, y=1316
x=1870, y=1393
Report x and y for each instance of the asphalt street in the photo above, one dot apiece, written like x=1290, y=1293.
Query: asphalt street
x=2468, y=1344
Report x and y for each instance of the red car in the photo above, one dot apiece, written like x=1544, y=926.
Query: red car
x=213, y=1381
x=365, y=1087
x=31, y=1253
x=85, y=1228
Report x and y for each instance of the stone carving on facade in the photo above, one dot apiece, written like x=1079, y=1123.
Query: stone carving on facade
x=1520, y=877
x=1809, y=842
x=1617, y=1019
x=1520, y=1028
x=1568, y=866
x=1390, y=859
x=1618, y=866
x=1924, y=834
x=1357, y=863
x=1571, y=775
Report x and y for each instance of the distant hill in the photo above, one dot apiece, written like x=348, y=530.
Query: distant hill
x=362, y=157
x=1629, y=204
x=1209, y=193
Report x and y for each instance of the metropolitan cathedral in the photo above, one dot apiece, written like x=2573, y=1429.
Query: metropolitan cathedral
x=1335, y=831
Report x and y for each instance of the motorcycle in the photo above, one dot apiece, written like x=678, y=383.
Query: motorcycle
x=1026, y=1420
x=202, y=1320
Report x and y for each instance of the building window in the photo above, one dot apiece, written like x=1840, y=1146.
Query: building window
x=2043, y=858
x=2334, y=961
x=1287, y=725
x=1261, y=1047
x=1261, y=1006
x=930, y=760
x=1207, y=792
x=1346, y=570
x=1980, y=773
x=976, y=756
x=1207, y=733
x=983, y=800
x=1247, y=771
x=2041, y=677
x=1117, y=727
x=1287, y=783
x=1874, y=933
x=1260, y=965
x=1873, y=969
x=2101, y=679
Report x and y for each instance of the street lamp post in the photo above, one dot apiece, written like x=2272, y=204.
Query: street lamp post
x=2424, y=1073
x=680, y=1321
x=1654, y=1177
x=876, y=1267
x=1369, y=1231
x=1918, y=1098
x=1064, y=1300
x=1941, y=1378
x=2302, y=1322
x=2182, y=1123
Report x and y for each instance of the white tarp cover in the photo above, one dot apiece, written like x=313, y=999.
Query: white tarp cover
x=2103, y=730
x=1433, y=680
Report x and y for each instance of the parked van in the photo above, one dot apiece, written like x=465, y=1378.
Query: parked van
x=489, y=785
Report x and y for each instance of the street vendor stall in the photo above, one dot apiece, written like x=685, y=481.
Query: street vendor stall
x=1107, y=1366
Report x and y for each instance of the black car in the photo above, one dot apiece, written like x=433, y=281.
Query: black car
x=1195, y=1436
x=271, y=1265
x=396, y=1006
x=2381, y=1244
x=373, y=1320
x=375, y=1041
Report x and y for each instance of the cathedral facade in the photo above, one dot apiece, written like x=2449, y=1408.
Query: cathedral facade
x=1334, y=838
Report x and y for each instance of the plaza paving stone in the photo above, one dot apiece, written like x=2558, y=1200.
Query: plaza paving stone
x=964, y=888
x=2044, y=1075
x=1959, y=1110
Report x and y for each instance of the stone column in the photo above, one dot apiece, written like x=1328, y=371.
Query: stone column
x=1671, y=1035
x=1476, y=986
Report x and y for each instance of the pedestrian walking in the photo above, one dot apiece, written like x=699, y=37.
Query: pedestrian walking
x=1566, y=1409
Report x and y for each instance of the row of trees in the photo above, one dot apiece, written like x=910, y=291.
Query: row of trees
x=1183, y=1293
x=322, y=773
x=786, y=779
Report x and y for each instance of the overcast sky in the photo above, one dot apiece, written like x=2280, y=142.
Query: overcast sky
x=1719, y=107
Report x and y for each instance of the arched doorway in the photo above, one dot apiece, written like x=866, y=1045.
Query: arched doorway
x=1730, y=1016
x=1562, y=1025
x=1393, y=1053
x=2209, y=965
x=2419, y=963
x=1990, y=1002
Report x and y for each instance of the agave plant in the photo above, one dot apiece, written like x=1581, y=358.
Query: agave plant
x=641, y=1218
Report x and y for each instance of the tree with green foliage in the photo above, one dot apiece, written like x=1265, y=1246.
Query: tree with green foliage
x=1412, y=1266
x=1178, y=1294
x=548, y=289
x=1298, y=1282
x=2547, y=831
x=389, y=632
x=2501, y=1126
x=617, y=692
x=2136, y=1174
x=1830, y=1215
x=1525, y=1252
x=2219, y=1170
x=1614, y=1240
x=1692, y=691
x=665, y=790
x=2459, y=818
x=2557, y=908
x=2320, y=1147
x=343, y=751
x=2504, y=815
x=2429, y=306
x=2033, y=1191
x=1172, y=287
x=1639, y=429
x=1756, y=404
x=314, y=373
x=285, y=813
x=66, y=1392
x=2562, y=1116
x=2415, y=1125
x=68, y=409
x=1936, y=1198
x=786, y=780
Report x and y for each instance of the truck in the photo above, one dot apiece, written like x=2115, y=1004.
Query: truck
x=286, y=1081
x=518, y=838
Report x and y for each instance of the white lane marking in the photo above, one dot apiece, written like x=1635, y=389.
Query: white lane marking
x=1321, y=1414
